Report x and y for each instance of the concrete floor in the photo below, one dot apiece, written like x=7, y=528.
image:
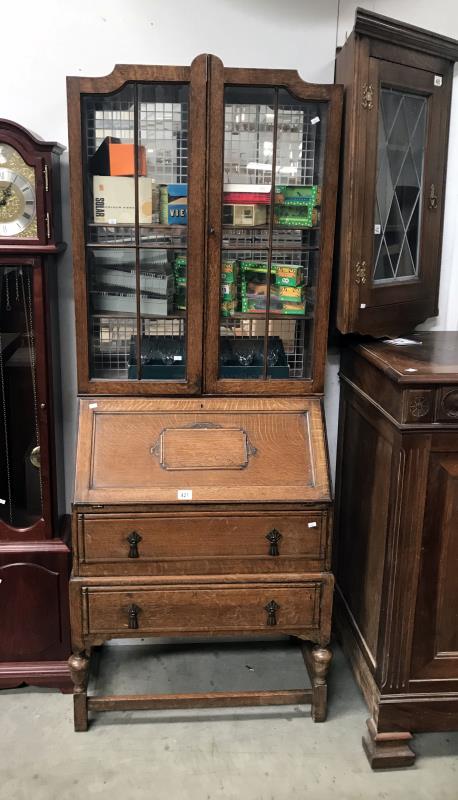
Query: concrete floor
x=244, y=754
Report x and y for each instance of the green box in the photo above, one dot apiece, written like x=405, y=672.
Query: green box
x=298, y=195
x=229, y=271
x=289, y=294
x=288, y=274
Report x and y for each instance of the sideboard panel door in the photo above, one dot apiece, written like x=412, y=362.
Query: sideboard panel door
x=436, y=628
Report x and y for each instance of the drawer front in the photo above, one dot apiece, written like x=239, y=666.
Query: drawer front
x=208, y=609
x=199, y=544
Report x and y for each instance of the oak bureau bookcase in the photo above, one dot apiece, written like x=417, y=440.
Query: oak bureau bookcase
x=203, y=205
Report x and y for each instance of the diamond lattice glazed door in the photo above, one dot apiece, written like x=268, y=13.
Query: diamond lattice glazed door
x=402, y=187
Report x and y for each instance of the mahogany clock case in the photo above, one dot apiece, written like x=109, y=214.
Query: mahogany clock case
x=34, y=551
x=202, y=497
x=398, y=82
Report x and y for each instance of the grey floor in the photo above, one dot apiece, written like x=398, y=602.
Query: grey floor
x=246, y=754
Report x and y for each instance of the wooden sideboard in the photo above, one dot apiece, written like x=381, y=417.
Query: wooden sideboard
x=396, y=537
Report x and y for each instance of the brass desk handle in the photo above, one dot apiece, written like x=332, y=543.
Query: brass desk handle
x=274, y=537
x=132, y=612
x=133, y=539
x=271, y=608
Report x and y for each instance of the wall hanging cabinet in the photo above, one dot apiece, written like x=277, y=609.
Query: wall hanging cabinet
x=398, y=81
x=203, y=203
x=34, y=558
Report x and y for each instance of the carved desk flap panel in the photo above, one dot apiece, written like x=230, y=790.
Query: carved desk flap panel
x=209, y=450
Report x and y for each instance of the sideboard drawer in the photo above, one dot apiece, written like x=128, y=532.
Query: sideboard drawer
x=159, y=610
x=147, y=544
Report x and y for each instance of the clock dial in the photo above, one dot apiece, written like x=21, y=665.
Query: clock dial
x=17, y=196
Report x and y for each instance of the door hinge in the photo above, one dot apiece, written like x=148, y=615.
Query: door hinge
x=367, y=100
x=48, y=225
x=46, y=177
x=361, y=272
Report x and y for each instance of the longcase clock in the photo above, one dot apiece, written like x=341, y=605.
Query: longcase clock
x=34, y=556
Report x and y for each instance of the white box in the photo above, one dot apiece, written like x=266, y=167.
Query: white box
x=114, y=200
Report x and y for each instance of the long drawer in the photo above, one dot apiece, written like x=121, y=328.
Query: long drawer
x=152, y=544
x=249, y=607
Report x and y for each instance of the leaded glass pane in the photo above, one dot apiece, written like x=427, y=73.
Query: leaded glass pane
x=400, y=156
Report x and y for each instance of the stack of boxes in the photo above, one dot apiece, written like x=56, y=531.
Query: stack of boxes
x=180, y=272
x=287, y=290
x=229, y=274
x=114, y=282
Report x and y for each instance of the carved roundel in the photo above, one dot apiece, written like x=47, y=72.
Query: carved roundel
x=419, y=407
x=450, y=404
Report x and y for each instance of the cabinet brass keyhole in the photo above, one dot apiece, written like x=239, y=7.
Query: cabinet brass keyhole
x=433, y=198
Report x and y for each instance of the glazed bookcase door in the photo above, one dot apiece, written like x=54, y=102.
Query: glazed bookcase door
x=24, y=437
x=272, y=187
x=137, y=145
x=405, y=151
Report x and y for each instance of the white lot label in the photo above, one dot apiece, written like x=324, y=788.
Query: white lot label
x=438, y=80
x=92, y=405
x=401, y=342
x=2, y=501
x=312, y=525
x=377, y=228
x=184, y=494
x=314, y=120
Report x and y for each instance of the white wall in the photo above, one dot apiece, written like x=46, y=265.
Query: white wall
x=87, y=38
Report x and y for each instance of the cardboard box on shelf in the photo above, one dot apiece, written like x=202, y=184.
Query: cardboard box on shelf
x=246, y=214
x=114, y=157
x=114, y=200
x=173, y=204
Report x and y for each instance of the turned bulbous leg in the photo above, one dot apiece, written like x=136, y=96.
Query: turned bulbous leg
x=79, y=670
x=320, y=660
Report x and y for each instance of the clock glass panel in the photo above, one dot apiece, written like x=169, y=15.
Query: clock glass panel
x=20, y=473
x=18, y=215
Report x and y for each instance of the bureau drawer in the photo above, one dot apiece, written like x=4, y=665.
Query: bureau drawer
x=198, y=544
x=172, y=610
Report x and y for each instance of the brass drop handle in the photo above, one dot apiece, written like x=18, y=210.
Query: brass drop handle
x=35, y=457
x=271, y=608
x=274, y=537
x=433, y=199
x=133, y=539
x=132, y=613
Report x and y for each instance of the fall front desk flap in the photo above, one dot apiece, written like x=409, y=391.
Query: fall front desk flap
x=133, y=450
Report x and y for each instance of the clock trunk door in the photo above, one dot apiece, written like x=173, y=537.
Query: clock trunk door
x=24, y=445
x=403, y=195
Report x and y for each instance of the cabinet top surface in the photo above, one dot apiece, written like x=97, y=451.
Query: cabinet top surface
x=201, y=451
x=431, y=358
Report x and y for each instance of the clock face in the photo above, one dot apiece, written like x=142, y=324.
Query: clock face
x=17, y=196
